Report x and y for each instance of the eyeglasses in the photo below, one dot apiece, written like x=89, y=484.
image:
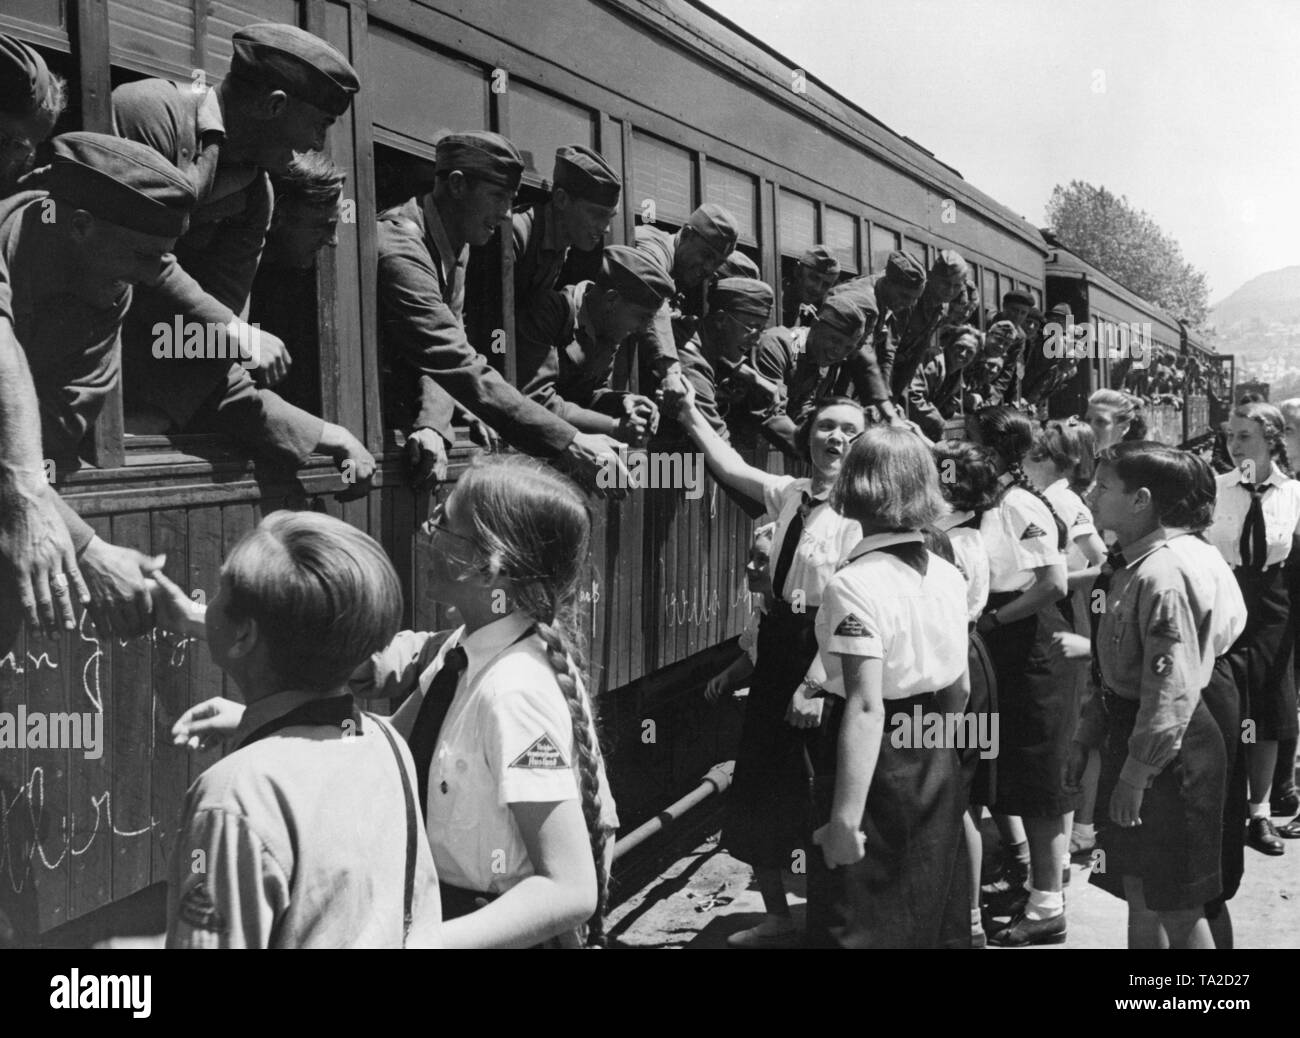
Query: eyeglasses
x=437, y=523
x=749, y=330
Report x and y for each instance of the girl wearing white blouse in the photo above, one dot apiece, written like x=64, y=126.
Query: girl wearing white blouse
x=766, y=824
x=1255, y=517
x=892, y=634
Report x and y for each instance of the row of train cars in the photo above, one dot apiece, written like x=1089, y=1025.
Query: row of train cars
x=692, y=109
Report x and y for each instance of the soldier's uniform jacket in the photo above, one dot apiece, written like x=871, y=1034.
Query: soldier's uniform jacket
x=421, y=301
x=208, y=278
x=1148, y=647
x=934, y=395
x=539, y=257
x=71, y=347
x=564, y=365
x=672, y=326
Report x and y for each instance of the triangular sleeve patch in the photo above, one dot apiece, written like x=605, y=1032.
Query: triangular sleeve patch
x=1082, y=519
x=543, y=753
x=1031, y=531
x=851, y=627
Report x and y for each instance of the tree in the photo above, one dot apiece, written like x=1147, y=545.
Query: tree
x=1128, y=245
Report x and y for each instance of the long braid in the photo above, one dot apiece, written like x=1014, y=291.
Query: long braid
x=1021, y=480
x=587, y=751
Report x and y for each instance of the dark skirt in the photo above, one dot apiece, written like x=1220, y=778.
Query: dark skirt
x=766, y=820
x=1038, y=713
x=1261, y=657
x=912, y=889
x=1224, y=701
x=1177, y=849
x=980, y=775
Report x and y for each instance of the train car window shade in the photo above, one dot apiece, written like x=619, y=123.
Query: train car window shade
x=541, y=122
x=225, y=17
x=917, y=250
x=414, y=75
x=883, y=242
x=155, y=36
x=840, y=232
x=736, y=192
x=798, y=223
x=36, y=21
x=662, y=174
x=989, y=290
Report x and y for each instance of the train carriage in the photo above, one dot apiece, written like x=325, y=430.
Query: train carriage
x=690, y=109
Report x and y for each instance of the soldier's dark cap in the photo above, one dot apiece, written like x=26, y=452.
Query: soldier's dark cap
x=1017, y=298
x=117, y=180
x=1035, y=314
x=485, y=156
x=1000, y=337
x=737, y=265
x=585, y=175
x=906, y=270
x=25, y=80
x=949, y=267
x=293, y=60
x=715, y=225
x=821, y=259
x=1061, y=313
x=742, y=296
x=634, y=276
x=862, y=293
x=840, y=311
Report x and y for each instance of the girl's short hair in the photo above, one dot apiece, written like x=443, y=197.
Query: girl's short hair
x=1071, y=446
x=1196, y=512
x=889, y=479
x=1008, y=432
x=1127, y=408
x=325, y=596
x=1273, y=427
x=1175, y=485
x=803, y=434
x=968, y=475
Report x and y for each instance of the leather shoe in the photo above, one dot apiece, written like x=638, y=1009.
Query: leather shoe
x=1285, y=802
x=1263, y=837
x=1023, y=932
x=1004, y=901
x=1290, y=831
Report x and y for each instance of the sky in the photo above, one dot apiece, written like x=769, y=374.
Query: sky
x=1189, y=108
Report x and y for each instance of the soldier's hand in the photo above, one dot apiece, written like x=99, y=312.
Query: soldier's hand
x=36, y=553
x=426, y=455
x=677, y=399
x=765, y=390
x=120, y=582
x=355, y=462
x=270, y=356
x=640, y=420
x=481, y=434
x=599, y=462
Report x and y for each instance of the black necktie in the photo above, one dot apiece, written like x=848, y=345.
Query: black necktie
x=1115, y=562
x=428, y=722
x=1254, y=543
x=792, y=534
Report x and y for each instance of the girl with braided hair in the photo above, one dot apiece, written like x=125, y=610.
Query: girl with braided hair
x=1037, y=691
x=1256, y=516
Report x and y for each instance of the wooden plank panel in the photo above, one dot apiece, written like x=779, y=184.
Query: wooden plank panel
x=634, y=582
x=204, y=575
x=236, y=521
x=171, y=695
x=132, y=694
x=597, y=672
x=18, y=836
x=90, y=814
x=49, y=780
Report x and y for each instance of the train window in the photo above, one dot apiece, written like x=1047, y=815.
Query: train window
x=798, y=223
x=154, y=35
x=1037, y=294
x=736, y=192
x=840, y=233
x=917, y=251
x=989, y=290
x=412, y=74
x=225, y=17
x=883, y=242
x=45, y=13
x=541, y=122
x=663, y=175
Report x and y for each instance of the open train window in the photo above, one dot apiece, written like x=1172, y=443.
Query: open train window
x=917, y=250
x=737, y=192
x=663, y=177
x=883, y=242
x=840, y=234
x=541, y=122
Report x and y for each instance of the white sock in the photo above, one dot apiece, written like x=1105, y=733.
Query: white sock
x=1259, y=810
x=1085, y=829
x=1044, y=904
x=976, y=919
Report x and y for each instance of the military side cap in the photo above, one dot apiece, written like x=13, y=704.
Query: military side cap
x=1061, y=314
x=487, y=156
x=737, y=265
x=821, y=259
x=715, y=225
x=24, y=78
x=742, y=296
x=634, y=276
x=1000, y=337
x=949, y=267
x=293, y=60
x=906, y=270
x=840, y=312
x=584, y=174
x=1017, y=298
x=862, y=293
x=121, y=181
x=1035, y=314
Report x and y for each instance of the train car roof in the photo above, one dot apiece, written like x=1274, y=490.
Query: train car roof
x=696, y=25
x=1061, y=262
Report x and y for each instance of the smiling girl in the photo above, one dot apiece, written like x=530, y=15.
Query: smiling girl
x=766, y=821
